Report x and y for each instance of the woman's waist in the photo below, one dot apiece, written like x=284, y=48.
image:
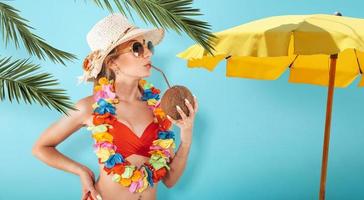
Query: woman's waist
x=111, y=190
x=114, y=190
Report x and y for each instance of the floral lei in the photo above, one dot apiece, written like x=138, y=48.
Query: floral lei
x=124, y=173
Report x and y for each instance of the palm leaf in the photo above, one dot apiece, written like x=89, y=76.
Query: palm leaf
x=19, y=79
x=168, y=14
x=14, y=27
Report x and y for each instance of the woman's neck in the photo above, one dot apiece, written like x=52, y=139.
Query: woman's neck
x=128, y=90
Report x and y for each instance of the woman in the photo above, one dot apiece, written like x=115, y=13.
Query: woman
x=133, y=150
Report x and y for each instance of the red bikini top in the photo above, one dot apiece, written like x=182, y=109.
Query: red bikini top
x=128, y=143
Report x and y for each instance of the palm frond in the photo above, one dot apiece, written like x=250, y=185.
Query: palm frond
x=168, y=14
x=14, y=28
x=20, y=80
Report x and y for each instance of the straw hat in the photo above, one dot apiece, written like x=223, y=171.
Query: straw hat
x=108, y=33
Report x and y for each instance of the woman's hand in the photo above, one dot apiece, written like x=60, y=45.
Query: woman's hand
x=186, y=123
x=88, y=189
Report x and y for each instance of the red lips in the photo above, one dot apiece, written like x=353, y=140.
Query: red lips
x=148, y=66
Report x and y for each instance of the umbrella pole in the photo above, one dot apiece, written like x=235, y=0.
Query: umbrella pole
x=325, y=151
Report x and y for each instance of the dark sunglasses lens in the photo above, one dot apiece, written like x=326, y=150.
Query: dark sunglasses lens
x=138, y=49
x=151, y=47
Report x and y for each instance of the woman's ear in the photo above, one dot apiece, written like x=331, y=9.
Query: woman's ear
x=111, y=63
x=114, y=67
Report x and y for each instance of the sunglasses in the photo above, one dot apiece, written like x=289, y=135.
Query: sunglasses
x=137, y=48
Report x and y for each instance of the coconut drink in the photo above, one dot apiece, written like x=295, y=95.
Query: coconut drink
x=174, y=96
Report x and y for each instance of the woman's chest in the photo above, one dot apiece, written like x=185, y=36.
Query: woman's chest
x=136, y=117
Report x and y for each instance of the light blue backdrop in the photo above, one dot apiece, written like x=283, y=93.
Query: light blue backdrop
x=252, y=139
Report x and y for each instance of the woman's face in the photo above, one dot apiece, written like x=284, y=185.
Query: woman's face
x=128, y=64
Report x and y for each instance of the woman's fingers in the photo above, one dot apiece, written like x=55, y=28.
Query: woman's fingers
x=180, y=111
x=183, y=115
x=176, y=122
x=190, y=108
x=85, y=195
x=196, y=103
x=171, y=119
x=95, y=195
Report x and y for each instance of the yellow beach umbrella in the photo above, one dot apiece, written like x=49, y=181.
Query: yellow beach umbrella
x=326, y=50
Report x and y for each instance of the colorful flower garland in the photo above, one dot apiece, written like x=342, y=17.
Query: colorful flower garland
x=124, y=173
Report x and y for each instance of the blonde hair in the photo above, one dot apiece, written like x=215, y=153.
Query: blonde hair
x=105, y=70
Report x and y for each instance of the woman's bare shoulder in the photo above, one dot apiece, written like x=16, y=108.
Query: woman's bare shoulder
x=85, y=104
x=84, y=109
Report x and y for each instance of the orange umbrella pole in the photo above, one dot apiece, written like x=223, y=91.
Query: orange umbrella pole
x=325, y=151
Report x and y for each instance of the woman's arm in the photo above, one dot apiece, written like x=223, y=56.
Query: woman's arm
x=179, y=160
x=177, y=165
x=45, y=147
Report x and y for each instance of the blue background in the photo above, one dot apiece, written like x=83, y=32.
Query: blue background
x=252, y=139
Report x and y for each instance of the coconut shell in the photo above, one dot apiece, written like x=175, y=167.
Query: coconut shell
x=176, y=95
